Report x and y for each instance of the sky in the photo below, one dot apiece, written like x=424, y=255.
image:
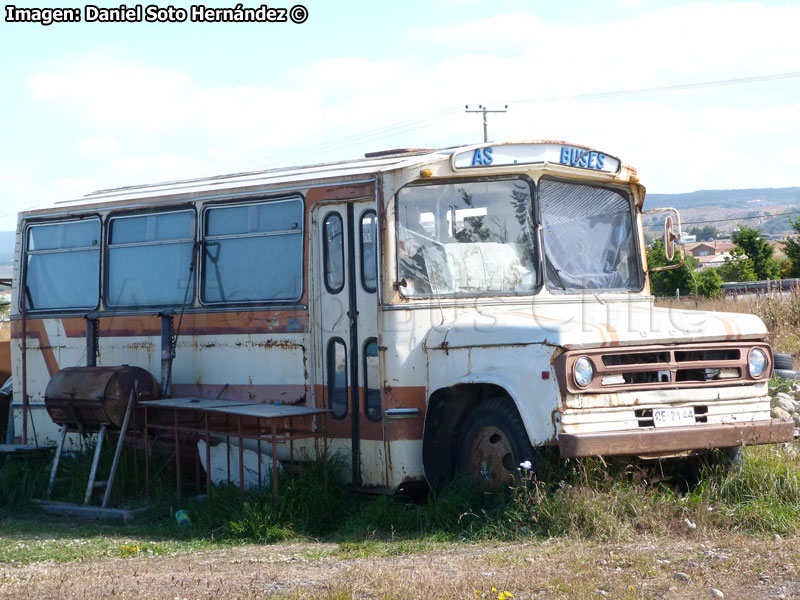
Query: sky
x=88, y=106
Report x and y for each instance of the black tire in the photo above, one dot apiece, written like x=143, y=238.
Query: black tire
x=787, y=374
x=492, y=444
x=690, y=470
x=783, y=361
x=732, y=459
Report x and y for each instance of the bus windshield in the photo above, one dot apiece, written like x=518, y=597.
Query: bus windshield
x=466, y=238
x=588, y=239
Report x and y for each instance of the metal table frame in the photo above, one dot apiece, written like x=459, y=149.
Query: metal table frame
x=268, y=423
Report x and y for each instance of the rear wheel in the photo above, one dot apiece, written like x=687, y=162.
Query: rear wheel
x=493, y=443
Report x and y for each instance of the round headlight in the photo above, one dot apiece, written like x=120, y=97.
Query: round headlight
x=757, y=361
x=582, y=371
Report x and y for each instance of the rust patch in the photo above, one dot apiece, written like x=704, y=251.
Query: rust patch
x=671, y=363
x=244, y=322
x=139, y=346
x=37, y=331
x=285, y=344
x=341, y=192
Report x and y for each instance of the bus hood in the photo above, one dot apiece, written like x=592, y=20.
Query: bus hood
x=589, y=325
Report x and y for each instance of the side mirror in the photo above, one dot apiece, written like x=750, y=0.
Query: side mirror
x=670, y=237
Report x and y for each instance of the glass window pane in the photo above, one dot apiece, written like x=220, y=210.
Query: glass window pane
x=128, y=230
x=372, y=392
x=333, y=246
x=337, y=378
x=63, y=279
x=149, y=275
x=153, y=271
x=468, y=239
x=589, y=241
x=265, y=264
x=279, y=216
x=174, y=226
x=267, y=217
x=227, y=221
x=369, y=251
x=151, y=228
x=253, y=268
x=74, y=234
x=67, y=274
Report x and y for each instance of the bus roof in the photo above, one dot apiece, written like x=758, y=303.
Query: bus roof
x=288, y=177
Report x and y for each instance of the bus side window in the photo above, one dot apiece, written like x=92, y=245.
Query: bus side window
x=369, y=251
x=148, y=259
x=253, y=252
x=372, y=392
x=337, y=378
x=62, y=265
x=333, y=252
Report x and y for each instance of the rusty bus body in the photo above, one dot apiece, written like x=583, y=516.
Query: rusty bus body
x=452, y=309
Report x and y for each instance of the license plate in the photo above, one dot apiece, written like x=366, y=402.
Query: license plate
x=673, y=417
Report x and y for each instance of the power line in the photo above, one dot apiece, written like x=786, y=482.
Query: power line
x=357, y=138
x=731, y=219
x=414, y=123
x=483, y=109
x=669, y=88
x=742, y=218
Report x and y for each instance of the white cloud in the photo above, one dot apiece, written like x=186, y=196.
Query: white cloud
x=98, y=146
x=146, y=122
x=112, y=91
x=163, y=166
x=65, y=188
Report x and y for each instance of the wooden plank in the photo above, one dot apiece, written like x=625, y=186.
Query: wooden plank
x=23, y=449
x=88, y=512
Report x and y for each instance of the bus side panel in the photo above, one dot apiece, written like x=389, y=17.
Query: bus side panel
x=213, y=358
x=404, y=386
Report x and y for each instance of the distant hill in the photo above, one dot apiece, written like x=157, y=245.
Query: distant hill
x=764, y=209
x=751, y=199
x=7, y=241
x=757, y=207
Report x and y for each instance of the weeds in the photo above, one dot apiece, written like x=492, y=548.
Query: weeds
x=22, y=479
x=780, y=313
x=588, y=498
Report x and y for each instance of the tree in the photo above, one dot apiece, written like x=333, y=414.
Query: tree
x=791, y=248
x=703, y=233
x=759, y=251
x=737, y=267
x=664, y=283
x=709, y=283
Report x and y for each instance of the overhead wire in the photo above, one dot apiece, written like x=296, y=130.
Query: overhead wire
x=357, y=138
x=413, y=124
x=783, y=214
x=451, y=113
x=666, y=88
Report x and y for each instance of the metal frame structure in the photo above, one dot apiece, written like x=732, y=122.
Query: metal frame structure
x=265, y=423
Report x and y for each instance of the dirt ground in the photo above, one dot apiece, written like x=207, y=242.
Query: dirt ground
x=739, y=566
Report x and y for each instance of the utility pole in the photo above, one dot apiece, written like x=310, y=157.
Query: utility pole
x=482, y=109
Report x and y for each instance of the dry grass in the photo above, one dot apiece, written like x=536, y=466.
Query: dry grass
x=780, y=313
x=742, y=567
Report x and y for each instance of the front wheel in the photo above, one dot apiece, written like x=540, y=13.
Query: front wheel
x=493, y=443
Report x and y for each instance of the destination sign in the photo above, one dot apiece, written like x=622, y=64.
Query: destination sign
x=504, y=155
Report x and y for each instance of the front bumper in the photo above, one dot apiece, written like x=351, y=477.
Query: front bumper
x=671, y=440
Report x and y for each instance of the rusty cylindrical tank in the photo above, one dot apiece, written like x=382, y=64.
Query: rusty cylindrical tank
x=85, y=397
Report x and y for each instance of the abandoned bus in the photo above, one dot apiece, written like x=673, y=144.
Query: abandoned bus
x=451, y=310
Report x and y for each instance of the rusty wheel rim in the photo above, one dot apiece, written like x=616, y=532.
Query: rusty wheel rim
x=491, y=458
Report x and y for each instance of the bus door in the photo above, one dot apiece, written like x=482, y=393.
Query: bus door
x=347, y=372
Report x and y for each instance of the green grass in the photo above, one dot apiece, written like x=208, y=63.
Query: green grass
x=34, y=537
x=590, y=498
